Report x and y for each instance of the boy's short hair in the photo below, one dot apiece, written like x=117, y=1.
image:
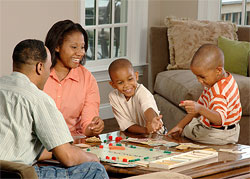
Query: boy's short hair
x=209, y=56
x=117, y=64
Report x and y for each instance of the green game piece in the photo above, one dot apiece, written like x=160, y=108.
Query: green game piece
x=137, y=159
x=130, y=161
x=88, y=149
x=151, y=149
x=167, y=152
x=105, y=141
x=146, y=158
x=127, y=137
x=131, y=146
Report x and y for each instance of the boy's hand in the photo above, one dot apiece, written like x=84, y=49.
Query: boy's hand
x=154, y=125
x=191, y=107
x=96, y=126
x=176, y=131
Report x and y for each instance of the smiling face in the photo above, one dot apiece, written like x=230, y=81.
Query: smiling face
x=124, y=80
x=207, y=77
x=71, y=51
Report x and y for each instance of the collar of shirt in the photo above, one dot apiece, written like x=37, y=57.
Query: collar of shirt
x=73, y=74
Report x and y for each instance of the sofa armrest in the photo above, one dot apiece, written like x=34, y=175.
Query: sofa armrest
x=158, y=53
x=16, y=170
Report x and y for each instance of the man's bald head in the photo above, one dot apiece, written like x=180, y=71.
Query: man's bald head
x=208, y=56
x=118, y=64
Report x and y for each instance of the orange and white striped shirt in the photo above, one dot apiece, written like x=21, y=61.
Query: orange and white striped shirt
x=224, y=98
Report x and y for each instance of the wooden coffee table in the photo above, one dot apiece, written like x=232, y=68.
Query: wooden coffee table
x=228, y=164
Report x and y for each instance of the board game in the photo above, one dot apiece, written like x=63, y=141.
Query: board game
x=128, y=155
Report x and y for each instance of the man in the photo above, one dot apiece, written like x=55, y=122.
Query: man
x=31, y=121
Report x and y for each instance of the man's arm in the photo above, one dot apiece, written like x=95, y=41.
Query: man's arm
x=70, y=155
x=45, y=155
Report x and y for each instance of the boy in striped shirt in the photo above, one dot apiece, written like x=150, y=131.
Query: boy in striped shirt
x=214, y=118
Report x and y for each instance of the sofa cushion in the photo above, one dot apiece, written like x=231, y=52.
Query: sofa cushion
x=236, y=55
x=182, y=46
x=179, y=85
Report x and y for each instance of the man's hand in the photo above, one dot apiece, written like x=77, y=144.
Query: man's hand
x=96, y=126
x=191, y=107
x=176, y=131
x=154, y=125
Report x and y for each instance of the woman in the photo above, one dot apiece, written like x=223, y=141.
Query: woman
x=73, y=88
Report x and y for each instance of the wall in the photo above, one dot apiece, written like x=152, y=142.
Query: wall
x=22, y=19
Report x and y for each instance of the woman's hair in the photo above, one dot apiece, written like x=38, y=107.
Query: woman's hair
x=58, y=32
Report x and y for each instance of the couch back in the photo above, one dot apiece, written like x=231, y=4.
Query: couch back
x=159, y=50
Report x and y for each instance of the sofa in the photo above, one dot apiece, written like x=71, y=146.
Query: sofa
x=172, y=86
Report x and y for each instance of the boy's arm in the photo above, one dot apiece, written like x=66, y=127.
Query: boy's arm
x=153, y=121
x=177, y=130
x=193, y=107
x=137, y=129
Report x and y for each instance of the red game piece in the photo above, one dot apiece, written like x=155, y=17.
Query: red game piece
x=182, y=102
x=107, y=157
x=113, y=158
x=110, y=137
x=117, y=139
x=110, y=144
x=124, y=160
x=101, y=146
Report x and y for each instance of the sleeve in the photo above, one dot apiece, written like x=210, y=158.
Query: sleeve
x=146, y=100
x=120, y=113
x=91, y=104
x=49, y=124
x=219, y=104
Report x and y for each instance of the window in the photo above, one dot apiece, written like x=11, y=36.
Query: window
x=236, y=11
x=106, y=22
x=116, y=28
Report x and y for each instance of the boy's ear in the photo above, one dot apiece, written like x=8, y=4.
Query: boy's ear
x=219, y=70
x=112, y=84
x=137, y=75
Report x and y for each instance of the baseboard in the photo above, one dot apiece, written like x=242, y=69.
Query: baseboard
x=106, y=111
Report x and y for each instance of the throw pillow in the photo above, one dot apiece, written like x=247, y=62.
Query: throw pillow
x=235, y=54
x=186, y=36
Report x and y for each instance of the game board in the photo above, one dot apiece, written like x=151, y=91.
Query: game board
x=128, y=155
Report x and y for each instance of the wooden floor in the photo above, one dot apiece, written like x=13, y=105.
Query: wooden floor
x=110, y=125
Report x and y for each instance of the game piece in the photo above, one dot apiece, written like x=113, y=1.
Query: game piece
x=93, y=140
x=88, y=149
x=105, y=141
x=124, y=160
x=107, y=157
x=151, y=149
x=110, y=144
x=110, y=137
x=101, y=146
x=182, y=102
x=113, y=158
x=116, y=148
